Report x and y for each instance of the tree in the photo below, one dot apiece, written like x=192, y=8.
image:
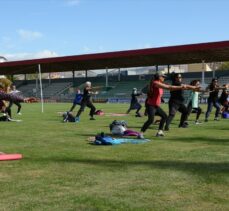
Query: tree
x=224, y=66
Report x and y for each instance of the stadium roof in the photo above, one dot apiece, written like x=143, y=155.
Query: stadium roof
x=171, y=55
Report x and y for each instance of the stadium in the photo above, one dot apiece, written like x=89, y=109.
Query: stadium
x=61, y=169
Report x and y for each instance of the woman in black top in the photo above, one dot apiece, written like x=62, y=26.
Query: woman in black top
x=176, y=102
x=213, y=99
x=224, y=99
x=86, y=101
x=134, y=104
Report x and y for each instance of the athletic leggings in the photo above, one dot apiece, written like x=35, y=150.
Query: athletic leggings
x=89, y=105
x=173, y=108
x=73, y=106
x=16, y=103
x=198, y=110
x=152, y=111
x=133, y=107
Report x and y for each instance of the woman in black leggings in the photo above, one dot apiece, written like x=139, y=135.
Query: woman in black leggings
x=86, y=102
x=176, y=102
x=153, y=103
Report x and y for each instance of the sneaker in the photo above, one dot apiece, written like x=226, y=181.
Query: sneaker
x=186, y=123
x=197, y=122
x=77, y=119
x=216, y=119
x=160, y=133
x=92, y=118
x=140, y=136
x=138, y=115
x=183, y=126
x=19, y=113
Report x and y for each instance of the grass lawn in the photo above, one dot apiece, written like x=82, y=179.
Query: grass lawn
x=188, y=169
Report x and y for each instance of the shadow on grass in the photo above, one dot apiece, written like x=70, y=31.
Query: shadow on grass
x=224, y=128
x=209, y=140
x=89, y=134
x=195, y=167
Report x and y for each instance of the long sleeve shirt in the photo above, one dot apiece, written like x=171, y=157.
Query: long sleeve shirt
x=10, y=97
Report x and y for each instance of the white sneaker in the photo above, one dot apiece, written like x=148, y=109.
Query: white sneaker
x=160, y=133
x=198, y=122
x=140, y=136
x=19, y=113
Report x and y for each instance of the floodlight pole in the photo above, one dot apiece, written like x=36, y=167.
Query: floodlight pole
x=203, y=73
x=106, y=77
x=42, y=100
x=213, y=71
x=73, y=78
x=36, y=84
x=86, y=74
x=119, y=74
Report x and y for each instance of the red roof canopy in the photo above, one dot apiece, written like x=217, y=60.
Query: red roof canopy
x=182, y=54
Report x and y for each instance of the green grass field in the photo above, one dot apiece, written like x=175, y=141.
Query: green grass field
x=186, y=170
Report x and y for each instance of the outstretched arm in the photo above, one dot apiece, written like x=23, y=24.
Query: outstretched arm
x=169, y=87
x=190, y=87
x=10, y=97
x=14, y=98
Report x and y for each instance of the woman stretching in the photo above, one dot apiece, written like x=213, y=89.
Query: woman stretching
x=154, y=100
x=193, y=104
x=213, y=99
x=86, y=101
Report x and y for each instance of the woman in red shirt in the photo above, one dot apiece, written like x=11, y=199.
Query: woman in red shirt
x=154, y=100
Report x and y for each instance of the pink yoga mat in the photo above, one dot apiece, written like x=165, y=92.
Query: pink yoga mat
x=10, y=157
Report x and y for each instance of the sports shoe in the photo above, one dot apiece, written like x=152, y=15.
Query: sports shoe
x=19, y=113
x=216, y=119
x=138, y=115
x=77, y=119
x=92, y=118
x=197, y=122
x=140, y=136
x=183, y=126
x=160, y=133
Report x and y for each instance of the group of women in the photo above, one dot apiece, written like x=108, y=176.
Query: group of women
x=154, y=98
x=177, y=102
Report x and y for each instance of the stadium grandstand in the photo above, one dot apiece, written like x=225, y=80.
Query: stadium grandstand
x=118, y=89
x=116, y=73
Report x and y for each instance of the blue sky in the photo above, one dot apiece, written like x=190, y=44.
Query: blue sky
x=43, y=28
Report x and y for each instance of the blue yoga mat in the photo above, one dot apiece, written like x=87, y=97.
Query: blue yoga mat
x=132, y=141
